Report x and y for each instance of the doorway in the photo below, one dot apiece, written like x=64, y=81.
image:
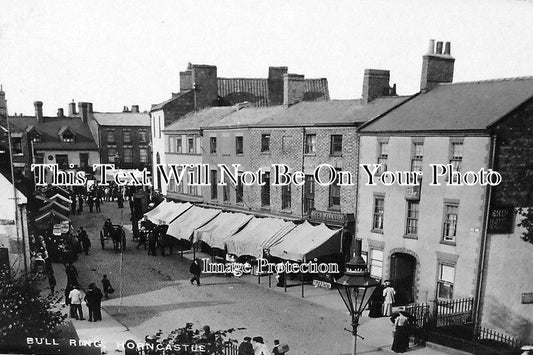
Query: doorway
x=402, y=277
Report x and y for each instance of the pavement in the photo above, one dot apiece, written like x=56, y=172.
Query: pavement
x=154, y=293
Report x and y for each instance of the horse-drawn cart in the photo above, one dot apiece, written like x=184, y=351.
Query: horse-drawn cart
x=116, y=234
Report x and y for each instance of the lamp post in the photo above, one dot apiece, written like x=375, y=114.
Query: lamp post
x=356, y=287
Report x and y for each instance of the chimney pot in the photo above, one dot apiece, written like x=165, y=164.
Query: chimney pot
x=38, y=110
x=293, y=89
x=447, y=48
x=60, y=112
x=135, y=108
x=439, y=48
x=431, y=49
x=72, y=109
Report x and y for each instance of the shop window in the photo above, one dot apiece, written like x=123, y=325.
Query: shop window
x=379, y=208
x=309, y=193
x=336, y=144
x=310, y=143
x=376, y=263
x=412, y=218
x=450, y=222
x=265, y=143
x=286, y=197
x=265, y=190
x=143, y=155
x=285, y=144
x=446, y=277
x=238, y=145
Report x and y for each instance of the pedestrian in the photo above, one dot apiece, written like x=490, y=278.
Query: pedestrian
x=120, y=200
x=246, y=348
x=93, y=298
x=84, y=240
x=208, y=338
x=107, y=192
x=72, y=274
x=152, y=243
x=52, y=283
x=108, y=289
x=75, y=303
x=259, y=346
x=279, y=349
x=97, y=203
x=400, y=342
x=388, y=299
x=132, y=204
x=375, y=305
x=142, y=239
x=196, y=270
x=90, y=202
x=80, y=203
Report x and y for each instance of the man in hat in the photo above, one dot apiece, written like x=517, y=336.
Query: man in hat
x=259, y=346
x=246, y=348
x=75, y=302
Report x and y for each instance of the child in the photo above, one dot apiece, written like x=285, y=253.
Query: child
x=108, y=289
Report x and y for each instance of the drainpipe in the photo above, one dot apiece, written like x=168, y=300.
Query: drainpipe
x=483, y=246
x=303, y=163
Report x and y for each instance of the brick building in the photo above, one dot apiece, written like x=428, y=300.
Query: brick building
x=444, y=242
x=123, y=138
x=200, y=87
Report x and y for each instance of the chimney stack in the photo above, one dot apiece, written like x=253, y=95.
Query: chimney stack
x=38, y=110
x=125, y=109
x=376, y=84
x=186, y=79
x=84, y=111
x=205, y=85
x=135, y=108
x=275, y=85
x=72, y=109
x=60, y=112
x=437, y=67
x=293, y=89
x=3, y=104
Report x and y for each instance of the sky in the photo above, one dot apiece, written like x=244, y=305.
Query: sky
x=123, y=53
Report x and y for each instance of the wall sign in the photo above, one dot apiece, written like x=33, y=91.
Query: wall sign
x=501, y=220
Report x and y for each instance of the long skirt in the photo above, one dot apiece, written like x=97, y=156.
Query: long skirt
x=387, y=309
x=400, y=343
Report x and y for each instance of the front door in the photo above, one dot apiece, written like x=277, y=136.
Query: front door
x=402, y=277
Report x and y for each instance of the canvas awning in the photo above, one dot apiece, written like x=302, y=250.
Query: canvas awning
x=151, y=215
x=258, y=234
x=170, y=212
x=221, y=228
x=192, y=219
x=51, y=214
x=306, y=242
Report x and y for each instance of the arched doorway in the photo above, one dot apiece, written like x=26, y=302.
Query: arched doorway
x=402, y=277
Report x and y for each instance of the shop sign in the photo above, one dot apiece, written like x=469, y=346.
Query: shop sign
x=7, y=222
x=328, y=217
x=412, y=193
x=323, y=284
x=501, y=220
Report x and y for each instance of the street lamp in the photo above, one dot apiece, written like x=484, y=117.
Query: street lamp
x=356, y=287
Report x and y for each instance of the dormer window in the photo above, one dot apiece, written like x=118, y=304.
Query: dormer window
x=66, y=135
x=36, y=139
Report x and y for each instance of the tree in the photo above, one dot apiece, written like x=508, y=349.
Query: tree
x=23, y=311
x=526, y=223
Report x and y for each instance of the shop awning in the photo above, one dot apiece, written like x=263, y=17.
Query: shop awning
x=221, y=228
x=53, y=205
x=51, y=214
x=192, y=219
x=258, y=234
x=306, y=242
x=151, y=215
x=170, y=212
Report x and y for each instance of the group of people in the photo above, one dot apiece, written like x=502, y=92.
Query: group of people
x=256, y=346
x=75, y=296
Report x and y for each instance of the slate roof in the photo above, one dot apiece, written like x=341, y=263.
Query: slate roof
x=196, y=120
x=122, y=119
x=49, y=131
x=249, y=116
x=162, y=105
x=468, y=106
x=334, y=112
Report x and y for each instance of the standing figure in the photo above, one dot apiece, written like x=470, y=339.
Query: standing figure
x=52, y=283
x=280, y=349
x=97, y=203
x=80, y=203
x=259, y=346
x=84, y=240
x=375, y=305
x=152, y=243
x=196, y=270
x=400, y=343
x=246, y=348
x=72, y=274
x=388, y=299
x=73, y=209
x=132, y=204
x=93, y=298
x=108, y=289
x=75, y=303
x=120, y=199
x=90, y=202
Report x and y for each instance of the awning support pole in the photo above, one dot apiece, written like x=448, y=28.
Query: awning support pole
x=302, y=284
x=269, y=280
x=285, y=281
x=258, y=274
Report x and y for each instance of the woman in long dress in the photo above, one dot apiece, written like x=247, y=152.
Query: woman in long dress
x=388, y=299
